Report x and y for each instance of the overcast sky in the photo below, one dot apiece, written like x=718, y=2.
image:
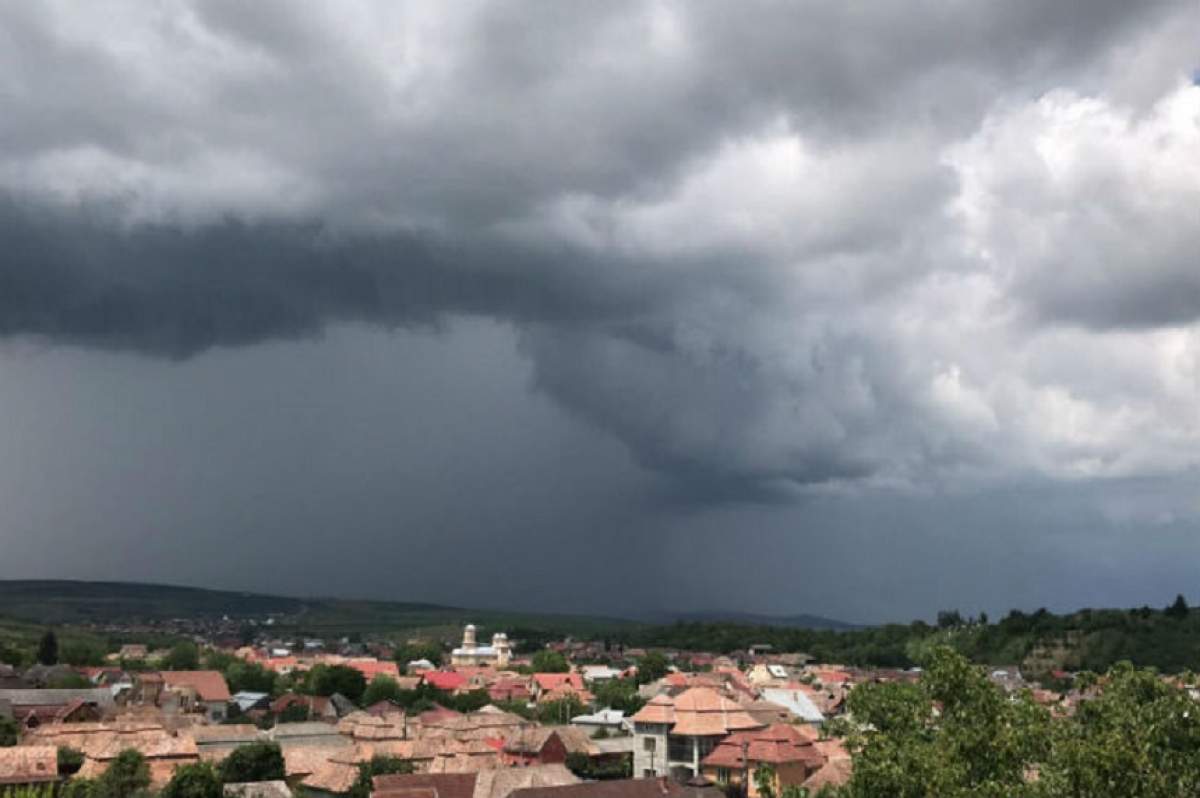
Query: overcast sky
x=855, y=309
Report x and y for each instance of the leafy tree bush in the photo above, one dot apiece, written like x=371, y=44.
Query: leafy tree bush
x=651, y=667
x=377, y=766
x=381, y=688
x=196, y=780
x=325, y=680
x=10, y=732
x=411, y=652
x=127, y=775
x=47, y=651
x=70, y=760
x=183, y=656
x=259, y=761
x=547, y=661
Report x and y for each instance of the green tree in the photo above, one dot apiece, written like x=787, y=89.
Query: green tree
x=651, y=668
x=764, y=781
x=70, y=760
x=377, y=766
x=10, y=732
x=78, y=788
x=249, y=676
x=381, y=688
x=329, y=679
x=183, y=656
x=252, y=762
x=195, y=780
x=417, y=650
x=1178, y=609
x=294, y=713
x=125, y=776
x=47, y=652
x=547, y=661
x=619, y=694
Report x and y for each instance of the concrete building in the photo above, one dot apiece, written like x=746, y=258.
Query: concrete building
x=674, y=735
x=470, y=653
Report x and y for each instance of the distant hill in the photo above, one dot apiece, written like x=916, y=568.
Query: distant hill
x=77, y=602
x=751, y=619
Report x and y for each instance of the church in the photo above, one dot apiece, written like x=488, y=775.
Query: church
x=498, y=654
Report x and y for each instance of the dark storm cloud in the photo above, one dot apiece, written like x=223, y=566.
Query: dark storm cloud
x=765, y=246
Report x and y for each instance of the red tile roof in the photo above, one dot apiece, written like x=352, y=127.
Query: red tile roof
x=444, y=680
x=555, y=681
x=777, y=744
x=209, y=685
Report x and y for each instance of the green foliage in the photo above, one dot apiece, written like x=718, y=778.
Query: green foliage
x=183, y=656
x=764, y=781
x=326, y=680
x=248, y=676
x=585, y=768
x=651, y=667
x=47, y=651
x=127, y=775
x=381, y=688
x=260, y=761
x=294, y=713
x=413, y=651
x=378, y=766
x=196, y=780
x=78, y=788
x=559, y=712
x=955, y=734
x=1178, y=610
x=69, y=681
x=28, y=791
x=10, y=732
x=619, y=694
x=81, y=652
x=547, y=661
x=70, y=760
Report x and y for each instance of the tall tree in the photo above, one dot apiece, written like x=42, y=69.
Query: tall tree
x=195, y=780
x=47, y=652
x=126, y=775
x=252, y=762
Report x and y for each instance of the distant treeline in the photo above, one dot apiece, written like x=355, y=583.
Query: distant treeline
x=1167, y=639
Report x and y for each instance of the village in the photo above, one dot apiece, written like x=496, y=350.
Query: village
x=487, y=724
x=342, y=719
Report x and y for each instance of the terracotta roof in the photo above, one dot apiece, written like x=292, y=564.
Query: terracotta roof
x=835, y=772
x=500, y=783
x=703, y=712
x=332, y=777
x=370, y=668
x=554, y=681
x=621, y=788
x=660, y=709
x=443, y=785
x=777, y=744
x=28, y=764
x=444, y=680
x=209, y=685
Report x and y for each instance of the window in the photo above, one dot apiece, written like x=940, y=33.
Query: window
x=648, y=744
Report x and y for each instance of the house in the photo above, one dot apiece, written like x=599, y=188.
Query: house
x=32, y=708
x=370, y=667
x=675, y=734
x=600, y=673
x=611, y=720
x=539, y=745
x=796, y=702
x=498, y=654
x=620, y=788
x=28, y=765
x=492, y=783
x=787, y=749
x=448, y=681
x=214, y=743
x=559, y=687
x=510, y=689
x=200, y=691
x=247, y=700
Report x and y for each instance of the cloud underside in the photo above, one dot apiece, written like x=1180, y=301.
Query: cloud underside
x=784, y=249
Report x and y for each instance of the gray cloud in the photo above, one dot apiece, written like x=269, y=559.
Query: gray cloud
x=776, y=249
